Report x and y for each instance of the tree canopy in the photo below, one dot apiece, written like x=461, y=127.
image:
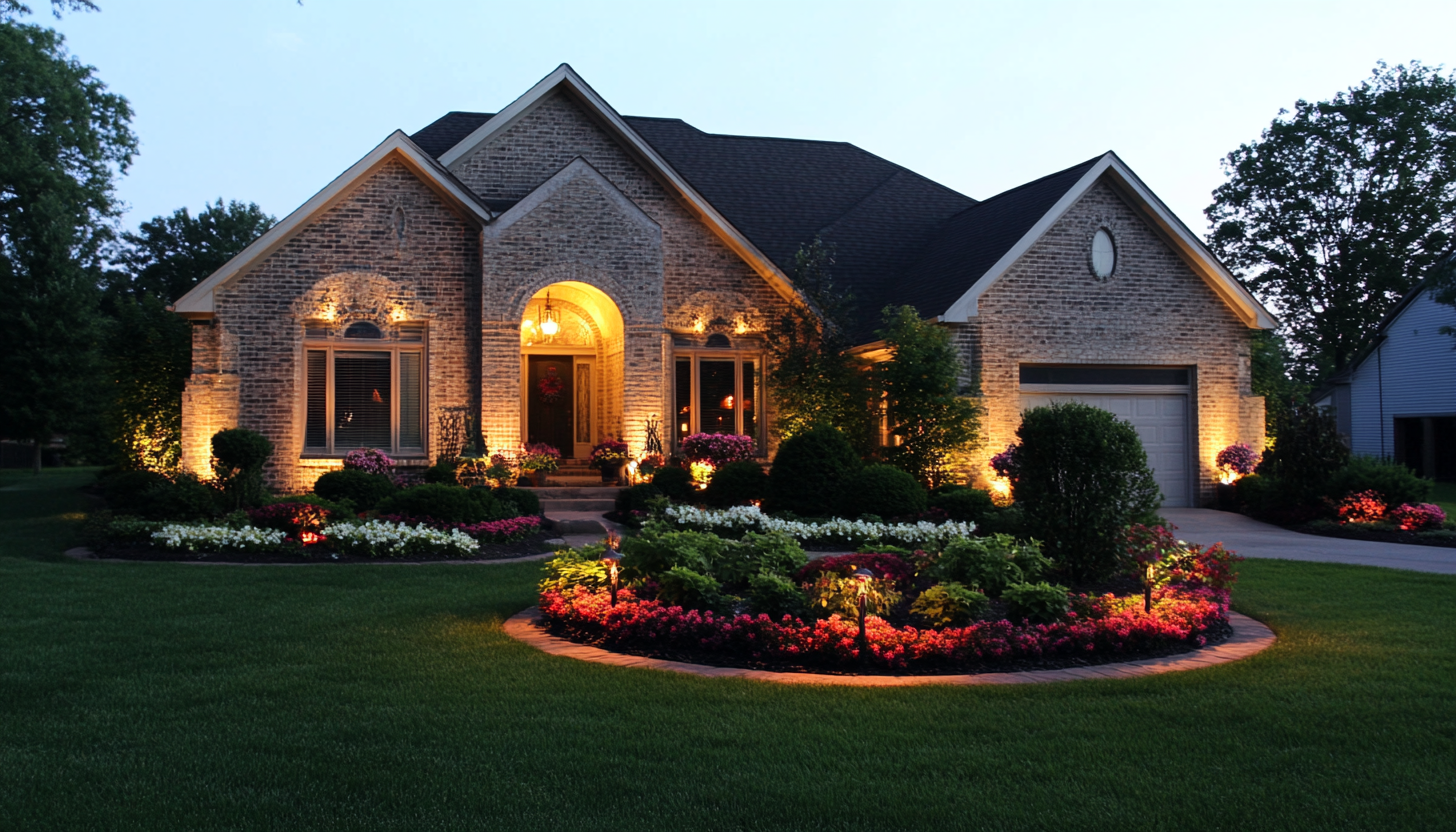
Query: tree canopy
x=65, y=139
x=167, y=256
x=930, y=413
x=1340, y=206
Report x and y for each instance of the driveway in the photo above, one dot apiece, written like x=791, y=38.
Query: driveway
x=1253, y=539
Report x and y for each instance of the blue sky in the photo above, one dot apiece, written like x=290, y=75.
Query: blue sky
x=267, y=100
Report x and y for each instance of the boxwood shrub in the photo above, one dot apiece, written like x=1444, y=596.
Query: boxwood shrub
x=637, y=497
x=809, y=472
x=737, y=484
x=361, y=488
x=525, y=503
x=1394, y=482
x=970, y=505
x=674, y=482
x=238, y=457
x=883, y=490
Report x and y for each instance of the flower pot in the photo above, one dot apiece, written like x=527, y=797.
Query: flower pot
x=539, y=478
x=1228, y=497
x=524, y=481
x=612, y=471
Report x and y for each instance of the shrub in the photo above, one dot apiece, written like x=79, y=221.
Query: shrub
x=929, y=411
x=990, y=564
x=1237, y=458
x=369, y=460
x=834, y=593
x=1260, y=494
x=690, y=590
x=124, y=490
x=950, y=605
x=718, y=449
x=239, y=455
x=1419, y=517
x=968, y=505
x=884, y=490
x=442, y=473
x=1004, y=520
x=637, y=498
x=675, y=483
x=735, y=562
x=1308, y=451
x=524, y=503
x=1081, y=477
x=1362, y=507
x=184, y=497
x=1394, y=482
x=342, y=508
x=1039, y=603
x=809, y=472
x=776, y=596
x=443, y=503
x=737, y=484
x=650, y=555
x=886, y=566
x=363, y=489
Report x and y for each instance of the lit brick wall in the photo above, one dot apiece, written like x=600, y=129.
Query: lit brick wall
x=248, y=368
x=1154, y=310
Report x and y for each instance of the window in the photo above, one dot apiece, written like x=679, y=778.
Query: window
x=1104, y=254
x=365, y=389
x=717, y=392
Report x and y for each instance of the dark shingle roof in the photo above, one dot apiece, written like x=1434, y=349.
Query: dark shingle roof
x=898, y=237
x=971, y=242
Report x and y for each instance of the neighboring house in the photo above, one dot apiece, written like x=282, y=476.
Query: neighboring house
x=1397, y=398
x=568, y=273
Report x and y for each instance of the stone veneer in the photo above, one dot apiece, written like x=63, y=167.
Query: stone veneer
x=1154, y=310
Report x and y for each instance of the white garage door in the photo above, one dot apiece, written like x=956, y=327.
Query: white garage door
x=1161, y=422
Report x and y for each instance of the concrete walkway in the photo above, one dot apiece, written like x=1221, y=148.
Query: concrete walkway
x=1253, y=539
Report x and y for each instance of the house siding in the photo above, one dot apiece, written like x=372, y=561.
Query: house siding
x=1411, y=373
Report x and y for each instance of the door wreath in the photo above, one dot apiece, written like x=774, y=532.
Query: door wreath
x=550, y=386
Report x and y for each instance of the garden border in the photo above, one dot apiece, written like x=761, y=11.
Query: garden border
x=1249, y=637
x=85, y=553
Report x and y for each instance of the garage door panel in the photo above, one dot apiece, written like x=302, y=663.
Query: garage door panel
x=1161, y=422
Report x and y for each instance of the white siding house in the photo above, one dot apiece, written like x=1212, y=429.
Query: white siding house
x=1397, y=400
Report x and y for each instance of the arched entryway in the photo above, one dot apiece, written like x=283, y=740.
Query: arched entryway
x=572, y=348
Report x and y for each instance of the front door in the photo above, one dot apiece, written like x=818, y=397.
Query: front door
x=549, y=397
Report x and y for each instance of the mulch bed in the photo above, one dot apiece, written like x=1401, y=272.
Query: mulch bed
x=1376, y=535
x=533, y=545
x=1215, y=635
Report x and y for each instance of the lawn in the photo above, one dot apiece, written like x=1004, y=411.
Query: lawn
x=1443, y=494
x=161, y=696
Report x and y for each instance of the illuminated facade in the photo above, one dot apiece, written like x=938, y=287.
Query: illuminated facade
x=561, y=273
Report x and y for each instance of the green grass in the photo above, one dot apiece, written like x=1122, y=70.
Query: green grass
x=161, y=696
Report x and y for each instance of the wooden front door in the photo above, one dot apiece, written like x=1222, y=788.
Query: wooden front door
x=549, y=405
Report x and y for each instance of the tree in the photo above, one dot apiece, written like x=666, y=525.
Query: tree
x=167, y=256
x=1269, y=361
x=814, y=380
x=14, y=8
x=1338, y=208
x=65, y=138
x=929, y=411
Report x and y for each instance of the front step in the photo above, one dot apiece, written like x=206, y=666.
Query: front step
x=549, y=507
x=596, y=498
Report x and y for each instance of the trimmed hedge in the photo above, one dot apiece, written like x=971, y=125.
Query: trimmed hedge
x=676, y=483
x=883, y=490
x=363, y=489
x=970, y=505
x=737, y=484
x=809, y=472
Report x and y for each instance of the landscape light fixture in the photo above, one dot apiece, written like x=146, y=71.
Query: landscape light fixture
x=863, y=576
x=612, y=559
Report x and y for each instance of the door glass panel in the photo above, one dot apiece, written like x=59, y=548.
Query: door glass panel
x=361, y=400
x=683, y=398
x=717, y=397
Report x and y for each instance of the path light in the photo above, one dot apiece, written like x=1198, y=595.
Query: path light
x=612, y=559
x=863, y=576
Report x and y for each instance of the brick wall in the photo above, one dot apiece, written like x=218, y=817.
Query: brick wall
x=390, y=239
x=1154, y=310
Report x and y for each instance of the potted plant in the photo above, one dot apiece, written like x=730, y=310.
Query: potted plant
x=609, y=456
x=539, y=459
x=1237, y=460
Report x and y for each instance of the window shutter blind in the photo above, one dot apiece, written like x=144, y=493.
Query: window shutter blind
x=411, y=429
x=361, y=400
x=316, y=422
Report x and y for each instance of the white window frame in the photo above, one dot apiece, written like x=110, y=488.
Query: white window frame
x=389, y=344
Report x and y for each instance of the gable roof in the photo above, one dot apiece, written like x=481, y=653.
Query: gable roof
x=198, y=302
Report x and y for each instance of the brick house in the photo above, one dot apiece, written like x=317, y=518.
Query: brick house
x=567, y=273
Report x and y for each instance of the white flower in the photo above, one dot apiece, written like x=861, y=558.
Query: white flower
x=379, y=538
x=835, y=529
x=217, y=538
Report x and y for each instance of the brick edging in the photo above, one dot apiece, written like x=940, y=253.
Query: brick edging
x=1249, y=637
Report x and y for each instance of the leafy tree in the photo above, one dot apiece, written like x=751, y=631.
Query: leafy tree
x=813, y=378
x=1307, y=454
x=1269, y=370
x=167, y=256
x=929, y=411
x=14, y=8
x=148, y=358
x=1338, y=208
x=65, y=138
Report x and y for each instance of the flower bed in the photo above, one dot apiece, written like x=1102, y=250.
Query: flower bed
x=1106, y=627
x=382, y=539
x=490, y=531
x=837, y=530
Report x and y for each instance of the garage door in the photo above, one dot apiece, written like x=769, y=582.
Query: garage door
x=1161, y=422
